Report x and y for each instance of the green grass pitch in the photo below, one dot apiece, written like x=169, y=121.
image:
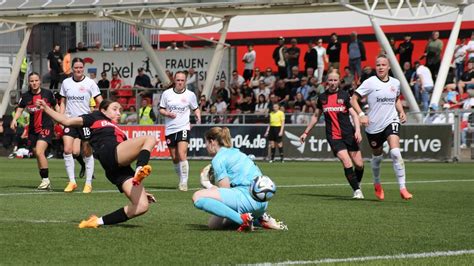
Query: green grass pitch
x=313, y=198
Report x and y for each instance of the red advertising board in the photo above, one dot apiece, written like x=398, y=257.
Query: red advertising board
x=158, y=131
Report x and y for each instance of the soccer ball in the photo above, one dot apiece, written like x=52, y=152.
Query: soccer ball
x=262, y=188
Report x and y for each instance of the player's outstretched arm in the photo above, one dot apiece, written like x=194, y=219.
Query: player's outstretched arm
x=58, y=117
x=314, y=119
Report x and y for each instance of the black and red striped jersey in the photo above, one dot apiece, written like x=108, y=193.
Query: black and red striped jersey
x=39, y=120
x=103, y=130
x=335, y=107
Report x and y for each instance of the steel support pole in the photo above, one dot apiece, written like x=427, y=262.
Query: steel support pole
x=15, y=70
x=447, y=58
x=216, y=60
x=160, y=69
x=396, y=69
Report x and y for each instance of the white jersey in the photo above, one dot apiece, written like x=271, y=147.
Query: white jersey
x=381, y=97
x=181, y=104
x=78, y=95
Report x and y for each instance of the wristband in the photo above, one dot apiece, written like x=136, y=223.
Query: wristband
x=361, y=114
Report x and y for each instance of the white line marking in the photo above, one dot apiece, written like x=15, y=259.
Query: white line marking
x=193, y=189
x=32, y=221
x=369, y=258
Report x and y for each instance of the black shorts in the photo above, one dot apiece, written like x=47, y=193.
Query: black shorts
x=117, y=175
x=273, y=134
x=348, y=144
x=83, y=133
x=173, y=139
x=376, y=140
x=45, y=135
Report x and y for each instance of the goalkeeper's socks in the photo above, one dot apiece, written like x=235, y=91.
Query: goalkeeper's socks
x=118, y=216
x=218, y=208
x=351, y=178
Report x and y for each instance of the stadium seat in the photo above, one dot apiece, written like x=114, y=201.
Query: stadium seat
x=132, y=101
x=125, y=91
x=123, y=102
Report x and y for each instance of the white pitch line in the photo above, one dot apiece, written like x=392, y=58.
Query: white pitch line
x=41, y=221
x=369, y=258
x=193, y=189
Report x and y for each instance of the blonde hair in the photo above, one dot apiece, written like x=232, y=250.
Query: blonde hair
x=221, y=135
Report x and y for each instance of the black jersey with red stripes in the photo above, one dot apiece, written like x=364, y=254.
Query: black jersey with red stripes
x=39, y=120
x=103, y=130
x=335, y=107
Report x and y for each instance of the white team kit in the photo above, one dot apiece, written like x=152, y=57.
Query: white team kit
x=181, y=104
x=381, y=97
x=78, y=95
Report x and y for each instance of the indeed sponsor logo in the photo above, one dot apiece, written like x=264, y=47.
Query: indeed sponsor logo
x=334, y=109
x=76, y=98
x=176, y=108
x=385, y=100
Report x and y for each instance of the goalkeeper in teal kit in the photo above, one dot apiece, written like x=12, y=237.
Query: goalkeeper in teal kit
x=229, y=200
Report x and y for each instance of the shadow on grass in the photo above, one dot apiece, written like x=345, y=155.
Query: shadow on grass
x=334, y=197
x=161, y=187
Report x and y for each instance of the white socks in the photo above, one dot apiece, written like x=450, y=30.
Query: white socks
x=69, y=164
x=375, y=163
x=398, y=166
x=89, y=169
x=184, y=172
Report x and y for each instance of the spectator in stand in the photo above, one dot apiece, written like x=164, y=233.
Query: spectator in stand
x=236, y=80
x=103, y=83
x=204, y=104
x=425, y=83
x=459, y=57
x=255, y=80
x=55, y=60
x=467, y=126
x=115, y=84
x=173, y=46
x=142, y=81
x=221, y=105
x=249, y=60
x=247, y=106
x=293, y=55
x=236, y=98
x=311, y=57
x=282, y=92
x=261, y=107
x=222, y=91
x=280, y=55
x=470, y=48
x=391, y=41
x=356, y=51
x=322, y=60
x=433, y=50
x=467, y=80
x=131, y=118
x=347, y=80
x=409, y=73
x=309, y=73
x=98, y=46
x=293, y=82
x=192, y=81
x=80, y=47
x=300, y=101
x=334, y=51
x=367, y=73
x=303, y=89
x=146, y=114
x=186, y=45
x=269, y=78
x=405, y=50
x=262, y=89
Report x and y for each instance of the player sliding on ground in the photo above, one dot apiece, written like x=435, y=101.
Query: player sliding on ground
x=382, y=122
x=115, y=153
x=342, y=136
x=230, y=201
